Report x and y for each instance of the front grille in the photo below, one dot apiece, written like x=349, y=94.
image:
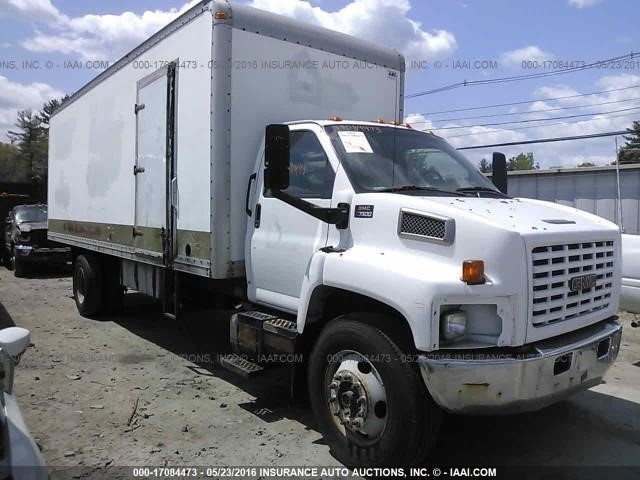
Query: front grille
x=38, y=238
x=413, y=224
x=554, y=266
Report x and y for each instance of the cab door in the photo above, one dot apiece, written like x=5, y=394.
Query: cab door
x=280, y=238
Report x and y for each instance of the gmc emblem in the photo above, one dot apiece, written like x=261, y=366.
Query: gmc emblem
x=583, y=282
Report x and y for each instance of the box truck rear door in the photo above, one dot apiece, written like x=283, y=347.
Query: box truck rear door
x=154, y=168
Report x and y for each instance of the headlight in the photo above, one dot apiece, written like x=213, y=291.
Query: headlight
x=7, y=365
x=453, y=324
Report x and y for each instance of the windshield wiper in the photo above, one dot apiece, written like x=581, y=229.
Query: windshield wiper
x=479, y=189
x=405, y=188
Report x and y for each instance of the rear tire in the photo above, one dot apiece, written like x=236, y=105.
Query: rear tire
x=87, y=285
x=351, y=358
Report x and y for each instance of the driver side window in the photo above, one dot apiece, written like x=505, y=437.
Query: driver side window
x=310, y=172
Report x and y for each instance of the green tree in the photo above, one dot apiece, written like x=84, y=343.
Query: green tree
x=11, y=169
x=484, y=166
x=586, y=164
x=522, y=161
x=630, y=152
x=30, y=139
x=48, y=109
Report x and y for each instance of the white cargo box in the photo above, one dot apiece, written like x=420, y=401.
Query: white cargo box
x=150, y=160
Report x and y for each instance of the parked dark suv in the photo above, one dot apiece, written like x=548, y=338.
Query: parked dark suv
x=26, y=240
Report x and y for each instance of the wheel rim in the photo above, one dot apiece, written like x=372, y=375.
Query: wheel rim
x=356, y=396
x=80, y=285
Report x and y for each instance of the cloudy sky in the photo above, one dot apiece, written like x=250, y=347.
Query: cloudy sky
x=445, y=42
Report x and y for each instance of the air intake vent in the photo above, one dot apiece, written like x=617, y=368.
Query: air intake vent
x=420, y=226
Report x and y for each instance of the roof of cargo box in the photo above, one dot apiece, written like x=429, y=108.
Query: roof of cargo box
x=265, y=23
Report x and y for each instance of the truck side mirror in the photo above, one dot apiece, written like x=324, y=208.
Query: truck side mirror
x=276, y=157
x=499, y=171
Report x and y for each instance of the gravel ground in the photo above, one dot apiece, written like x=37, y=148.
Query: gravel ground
x=139, y=389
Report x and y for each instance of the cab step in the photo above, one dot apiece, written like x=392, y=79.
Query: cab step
x=239, y=365
x=257, y=334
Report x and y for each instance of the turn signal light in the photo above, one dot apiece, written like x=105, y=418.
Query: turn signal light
x=473, y=272
x=220, y=15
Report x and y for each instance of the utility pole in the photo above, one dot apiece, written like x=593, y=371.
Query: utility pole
x=619, y=203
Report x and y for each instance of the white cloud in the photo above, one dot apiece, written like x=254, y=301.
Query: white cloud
x=68, y=44
x=109, y=36
x=382, y=21
x=514, y=58
x=31, y=10
x=555, y=91
x=419, y=121
x=16, y=96
x=582, y=3
x=96, y=36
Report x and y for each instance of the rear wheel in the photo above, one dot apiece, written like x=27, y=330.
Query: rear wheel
x=87, y=285
x=370, y=402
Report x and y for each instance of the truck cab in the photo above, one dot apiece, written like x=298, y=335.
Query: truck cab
x=502, y=304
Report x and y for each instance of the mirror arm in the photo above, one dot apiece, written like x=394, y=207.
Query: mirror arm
x=333, y=216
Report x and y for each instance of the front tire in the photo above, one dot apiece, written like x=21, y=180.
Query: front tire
x=87, y=285
x=369, y=400
x=11, y=259
x=18, y=265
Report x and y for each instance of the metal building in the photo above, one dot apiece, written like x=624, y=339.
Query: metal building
x=594, y=189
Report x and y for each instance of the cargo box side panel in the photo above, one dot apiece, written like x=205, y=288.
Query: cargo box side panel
x=92, y=151
x=275, y=81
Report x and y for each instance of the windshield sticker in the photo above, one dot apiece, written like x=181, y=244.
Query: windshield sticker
x=355, y=142
x=363, y=211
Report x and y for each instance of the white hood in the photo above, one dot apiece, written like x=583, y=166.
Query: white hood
x=526, y=216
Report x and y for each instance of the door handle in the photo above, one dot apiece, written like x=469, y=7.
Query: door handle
x=137, y=169
x=174, y=194
x=256, y=221
x=246, y=203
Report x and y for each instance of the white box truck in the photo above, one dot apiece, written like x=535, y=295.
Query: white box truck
x=240, y=154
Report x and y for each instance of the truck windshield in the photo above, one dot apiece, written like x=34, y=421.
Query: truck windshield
x=379, y=158
x=31, y=215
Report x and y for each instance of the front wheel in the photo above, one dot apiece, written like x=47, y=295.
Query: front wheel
x=10, y=260
x=369, y=401
x=18, y=265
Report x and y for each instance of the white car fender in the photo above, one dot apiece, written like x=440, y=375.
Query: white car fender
x=630, y=291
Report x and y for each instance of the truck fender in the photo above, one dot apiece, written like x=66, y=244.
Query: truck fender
x=373, y=281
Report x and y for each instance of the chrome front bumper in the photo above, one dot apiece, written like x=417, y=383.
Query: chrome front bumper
x=518, y=380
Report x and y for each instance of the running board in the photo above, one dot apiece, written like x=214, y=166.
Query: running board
x=258, y=333
x=240, y=365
